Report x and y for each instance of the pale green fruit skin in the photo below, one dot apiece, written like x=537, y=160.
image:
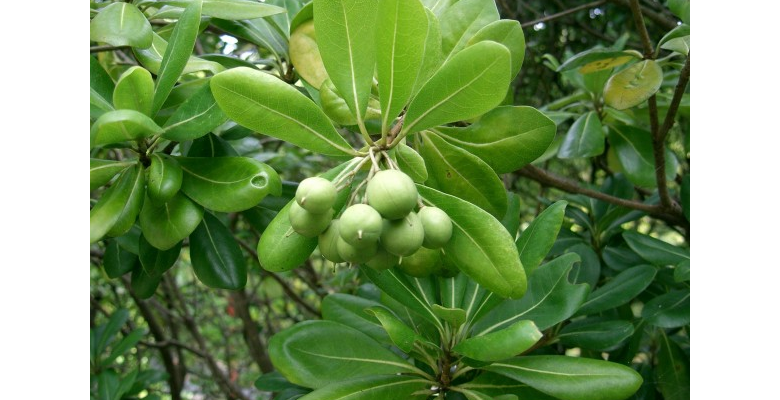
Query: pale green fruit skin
x=356, y=255
x=327, y=243
x=392, y=193
x=317, y=195
x=421, y=264
x=437, y=225
x=360, y=225
x=383, y=260
x=308, y=224
x=402, y=237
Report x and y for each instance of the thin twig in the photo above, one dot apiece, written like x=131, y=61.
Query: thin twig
x=98, y=49
x=563, y=13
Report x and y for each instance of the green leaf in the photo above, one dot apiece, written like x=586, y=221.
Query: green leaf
x=411, y=163
x=350, y=310
x=258, y=31
x=216, y=258
x=346, y=36
x=117, y=261
x=385, y=387
x=682, y=273
x=589, y=269
x=496, y=385
x=680, y=31
x=121, y=126
x=400, y=43
x=305, y=54
x=620, y=290
x=156, y=262
x=538, y=238
x=550, y=299
x=511, y=220
x=143, y=284
x=108, y=332
x=480, y=246
x=463, y=20
x=398, y=286
x=506, y=138
x=129, y=241
x=685, y=196
x=177, y=53
x=152, y=57
x=401, y=335
x=166, y=224
x=101, y=89
x=594, y=60
x=121, y=24
x=165, y=178
x=432, y=53
x=680, y=8
x=585, y=138
x=334, y=105
x=454, y=316
x=228, y=184
x=134, y=91
x=101, y=171
x=468, y=85
x=118, y=205
x=673, y=374
x=654, y=250
x=681, y=45
x=670, y=310
x=634, y=149
x=595, y=334
x=265, y=104
x=274, y=382
x=108, y=385
x=196, y=117
x=572, y=378
x=509, y=33
x=232, y=9
x=316, y=353
x=455, y=171
x=500, y=345
x=211, y=145
x=633, y=85
x=124, y=345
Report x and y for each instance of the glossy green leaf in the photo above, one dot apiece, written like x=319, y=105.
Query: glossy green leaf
x=585, y=138
x=620, y=290
x=468, y=85
x=681, y=45
x=401, y=335
x=634, y=149
x=398, y=286
x=670, y=310
x=129, y=241
x=680, y=31
x=462, y=20
x=480, y=246
x=455, y=317
x=216, y=258
x=143, y=284
x=594, y=60
x=550, y=299
x=117, y=261
x=589, y=269
x=400, y=43
x=168, y=223
x=156, y=262
x=682, y=273
x=455, y=171
x=502, y=344
x=315, y=353
x=385, y=387
x=595, y=334
x=506, y=138
x=196, y=117
x=305, y=54
x=274, y=382
x=121, y=24
x=654, y=250
x=572, y=378
x=232, y=9
x=537, y=239
x=337, y=109
x=134, y=91
x=265, y=104
x=101, y=171
x=101, y=89
x=177, y=53
x=680, y=8
x=121, y=126
x=152, y=57
x=511, y=220
x=165, y=177
x=258, y=31
x=673, y=373
x=497, y=385
x=411, y=163
x=633, y=85
x=118, y=205
x=432, y=53
x=350, y=310
x=346, y=36
x=228, y=184
x=211, y=145
x=509, y=33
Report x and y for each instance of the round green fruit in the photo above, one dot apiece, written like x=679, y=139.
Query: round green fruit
x=360, y=225
x=422, y=263
x=437, y=225
x=392, y=193
x=308, y=224
x=356, y=255
x=383, y=260
x=327, y=242
x=317, y=195
x=402, y=237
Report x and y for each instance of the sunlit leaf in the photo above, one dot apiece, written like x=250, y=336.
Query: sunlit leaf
x=121, y=24
x=170, y=222
x=633, y=85
x=134, y=91
x=585, y=138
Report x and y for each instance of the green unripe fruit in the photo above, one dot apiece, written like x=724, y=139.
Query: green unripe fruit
x=360, y=225
x=383, y=260
x=402, y=237
x=437, y=225
x=392, y=193
x=327, y=242
x=356, y=255
x=308, y=224
x=421, y=264
x=317, y=195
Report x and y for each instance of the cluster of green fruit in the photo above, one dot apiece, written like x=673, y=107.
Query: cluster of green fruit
x=385, y=232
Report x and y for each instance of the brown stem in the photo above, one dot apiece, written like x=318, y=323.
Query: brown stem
x=250, y=331
x=679, y=91
x=662, y=20
x=98, y=49
x=563, y=13
x=639, y=20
